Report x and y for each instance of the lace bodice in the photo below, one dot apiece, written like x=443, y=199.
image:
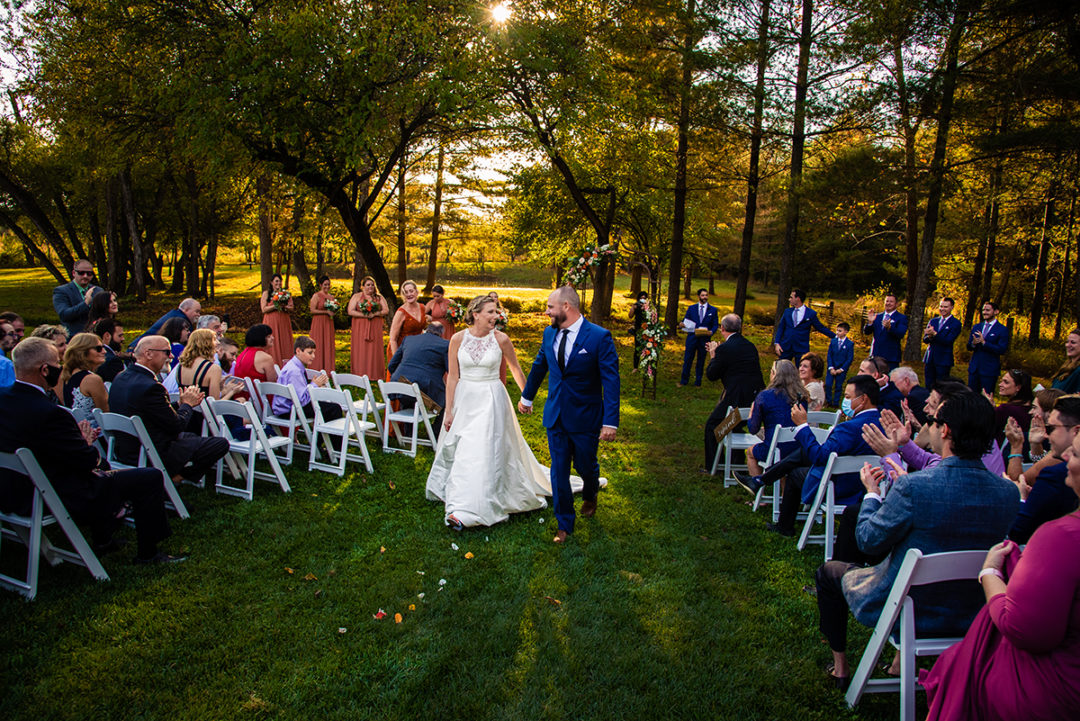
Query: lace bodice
x=479, y=358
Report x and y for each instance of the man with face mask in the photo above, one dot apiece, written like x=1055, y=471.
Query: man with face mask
x=91, y=493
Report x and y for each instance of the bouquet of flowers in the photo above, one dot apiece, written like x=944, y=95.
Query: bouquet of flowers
x=369, y=306
x=332, y=305
x=455, y=311
x=503, y=320
x=578, y=269
x=281, y=299
x=652, y=338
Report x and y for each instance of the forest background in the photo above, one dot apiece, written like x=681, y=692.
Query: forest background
x=928, y=148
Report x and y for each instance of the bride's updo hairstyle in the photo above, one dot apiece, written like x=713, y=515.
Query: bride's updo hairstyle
x=475, y=306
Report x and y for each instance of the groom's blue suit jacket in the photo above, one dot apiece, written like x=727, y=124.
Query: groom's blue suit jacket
x=586, y=395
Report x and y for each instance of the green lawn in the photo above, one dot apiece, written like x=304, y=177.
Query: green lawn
x=673, y=602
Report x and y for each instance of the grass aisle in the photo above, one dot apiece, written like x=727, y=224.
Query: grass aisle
x=672, y=602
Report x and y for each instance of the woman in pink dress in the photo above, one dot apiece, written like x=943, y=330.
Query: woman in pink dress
x=368, y=310
x=322, y=326
x=1021, y=657
x=436, y=310
x=408, y=320
x=276, y=315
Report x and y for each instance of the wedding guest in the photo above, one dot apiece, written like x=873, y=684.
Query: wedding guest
x=408, y=320
x=83, y=388
x=1067, y=377
x=177, y=331
x=1020, y=657
x=792, y=335
x=72, y=300
x=888, y=395
x=210, y=322
x=906, y=381
x=436, y=310
x=7, y=342
x=940, y=336
x=888, y=329
x=1014, y=389
x=368, y=311
x=17, y=323
x=227, y=351
x=103, y=305
x=295, y=374
x=59, y=338
x=770, y=409
x=957, y=505
x=111, y=333
x=811, y=368
x=322, y=325
x=255, y=361
x=424, y=360
x=839, y=358
x=277, y=316
x=988, y=341
x=64, y=449
x=197, y=367
x=736, y=364
x=189, y=309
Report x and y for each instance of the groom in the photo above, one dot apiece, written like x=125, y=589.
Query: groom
x=582, y=406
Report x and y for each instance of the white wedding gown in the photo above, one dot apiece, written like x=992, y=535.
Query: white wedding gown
x=484, y=470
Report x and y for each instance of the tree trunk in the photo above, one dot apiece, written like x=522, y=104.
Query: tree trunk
x=402, y=255
x=266, y=239
x=635, y=280
x=31, y=247
x=1066, y=273
x=742, y=285
x=911, y=191
x=359, y=267
x=678, y=225
x=1037, y=299
x=30, y=207
x=936, y=180
x=100, y=258
x=798, y=144
x=436, y=219
x=300, y=268
x=138, y=257
x=117, y=264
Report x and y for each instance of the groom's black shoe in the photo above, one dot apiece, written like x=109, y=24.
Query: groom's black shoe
x=560, y=536
x=588, y=509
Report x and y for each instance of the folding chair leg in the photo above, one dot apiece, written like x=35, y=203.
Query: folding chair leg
x=907, y=666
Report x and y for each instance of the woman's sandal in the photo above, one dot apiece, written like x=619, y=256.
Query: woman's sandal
x=839, y=682
x=454, y=523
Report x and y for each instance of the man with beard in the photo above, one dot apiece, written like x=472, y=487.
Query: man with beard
x=112, y=337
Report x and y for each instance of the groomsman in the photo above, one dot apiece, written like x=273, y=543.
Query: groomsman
x=988, y=342
x=939, y=336
x=792, y=336
x=839, y=358
x=700, y=315
x=888, y=328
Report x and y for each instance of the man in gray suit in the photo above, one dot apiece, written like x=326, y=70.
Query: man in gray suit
x=72, y=300
x=957, y=505
x=422, y=359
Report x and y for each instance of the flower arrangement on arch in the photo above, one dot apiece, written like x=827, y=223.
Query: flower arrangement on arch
x=455, y=312
x=653, y=334
x=280, y=299
x=578, y=266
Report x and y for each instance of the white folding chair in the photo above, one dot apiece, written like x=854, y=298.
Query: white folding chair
x=46, y=509
x=733, y=442
x=290, y=425
x=782, y=435
x=253, y=395
x=916, y=570
x=416, y=415
x=258, y=444
x=824, y=419
x=348, y=428
x=367, y=403
x=113, y=423
x=825, y=500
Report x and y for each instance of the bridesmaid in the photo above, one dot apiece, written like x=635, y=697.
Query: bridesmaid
x=366, y=346
x=408, y=320
x=436, y=310
x=280, y=322
x=322, y=327
x=502, y=366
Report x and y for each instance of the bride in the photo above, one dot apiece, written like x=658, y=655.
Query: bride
x=484, y=470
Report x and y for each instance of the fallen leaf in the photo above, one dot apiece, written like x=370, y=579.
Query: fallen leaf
x=469, y=555
x=420, y=572
x=341, y=629
x=392, y=486
x=331, y=572
x=380, y=615
x=311, y=577
x=442, y=581
x=314, y=495
x=454, y=546
x=382, y=549
x=318, y=592
x=631, y=576
x=288, y=570
x=412, y=606
x=553, y=601
x=420, y=595
x=397, y=618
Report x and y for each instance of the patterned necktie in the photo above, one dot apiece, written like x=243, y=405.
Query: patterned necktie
x=562, y=349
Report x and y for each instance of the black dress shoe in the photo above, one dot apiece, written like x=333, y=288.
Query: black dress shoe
x=753, y=484
x=775, y=528
x=160, y=557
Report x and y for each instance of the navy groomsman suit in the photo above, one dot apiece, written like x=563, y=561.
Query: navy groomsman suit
x=702, y=315
x=840, y=357
x=794, y=338
x=985, y=361
x=938, y=359
x=887, y=340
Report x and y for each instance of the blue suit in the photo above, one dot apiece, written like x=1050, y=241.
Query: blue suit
x=845, y=440
x=423, y=359
x=68, y=302
x=794, y=340
x=695, y=344
x=985, y=361
x=887, y=340
x=155, y=329
x=938, y=359
x=840, y=356
x=582, y=397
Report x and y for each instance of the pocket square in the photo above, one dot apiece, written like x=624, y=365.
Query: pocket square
x=582, y=351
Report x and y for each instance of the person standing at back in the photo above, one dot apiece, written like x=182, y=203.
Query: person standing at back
x=988, y=341
x=791, y=339
x=700, y=317
x=72, y=300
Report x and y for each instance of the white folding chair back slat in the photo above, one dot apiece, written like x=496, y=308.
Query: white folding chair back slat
x=416, y=416
x=916, y=570
x=824, y=502
x=112, y=424
x=367, y=403
x=257, y=445
x=290, y=425
x=349, y=428
x=827, y=419
x=783, y=435
x=733, y=442
x=46, y=509
x=253, y=395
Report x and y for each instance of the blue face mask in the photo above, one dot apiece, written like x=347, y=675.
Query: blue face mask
x=845, y=406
